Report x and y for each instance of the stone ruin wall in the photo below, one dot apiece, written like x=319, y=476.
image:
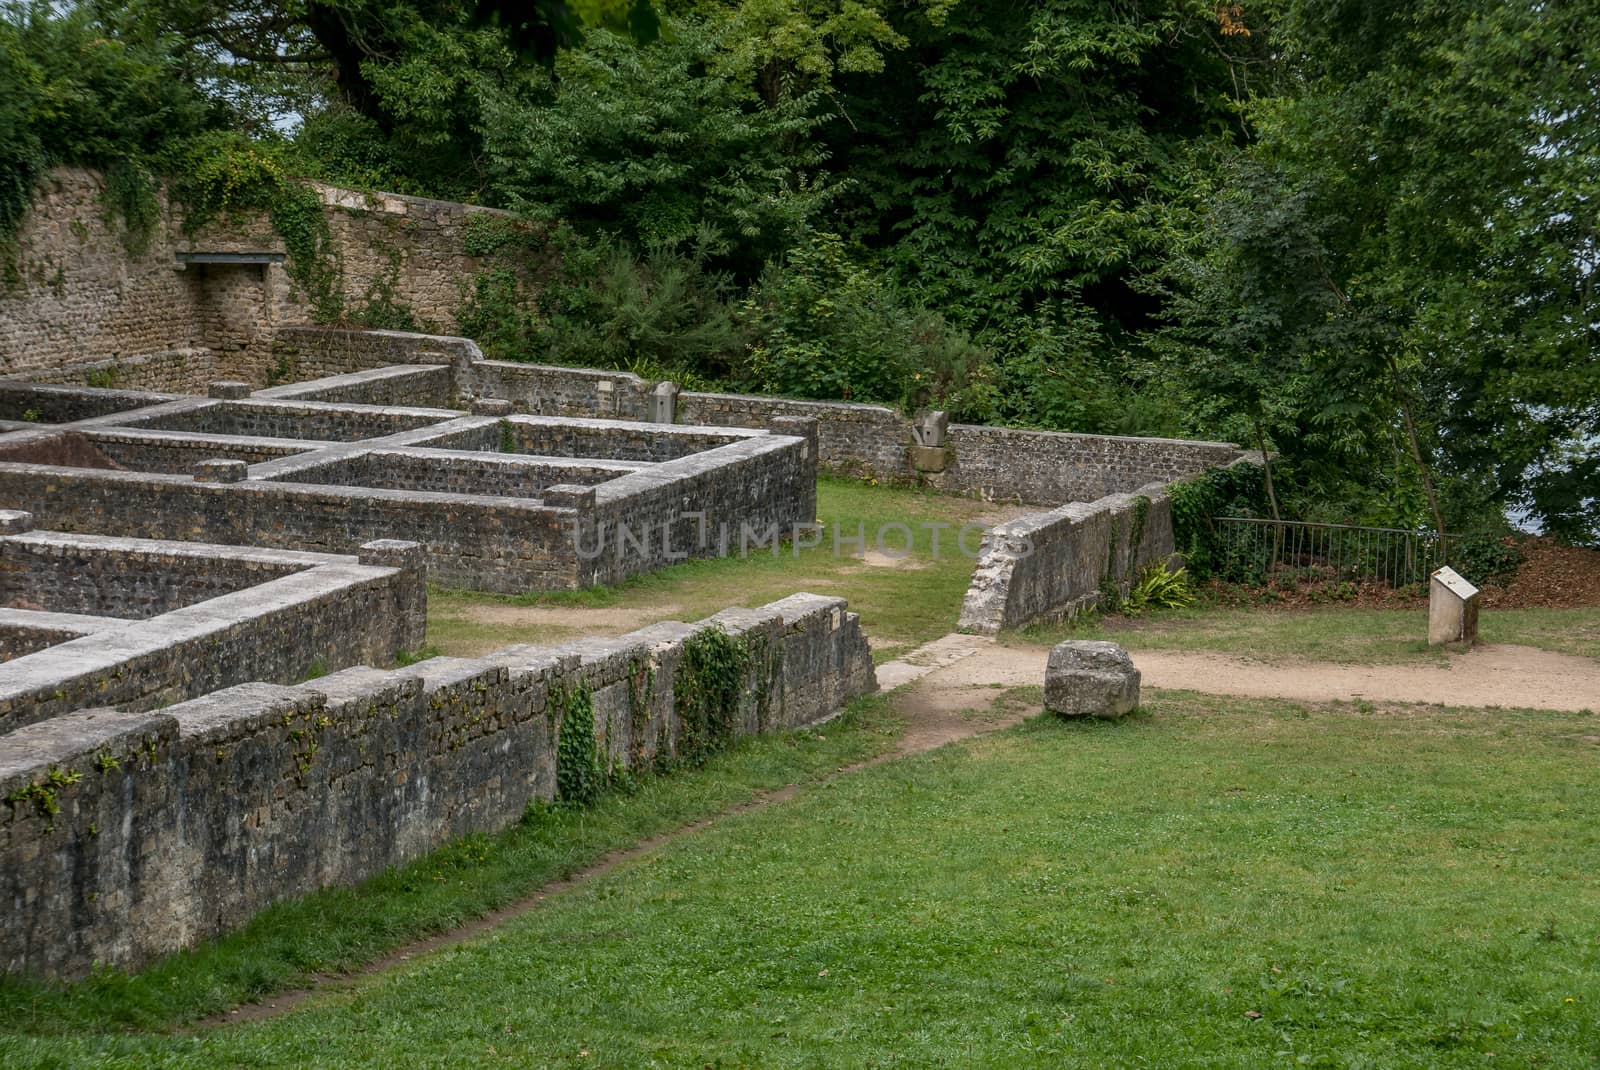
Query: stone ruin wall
x=1100, y=489
x=95, y=620
x=76, y=306
x=183, y=823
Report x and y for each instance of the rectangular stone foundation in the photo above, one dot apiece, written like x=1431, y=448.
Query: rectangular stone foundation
x=176, y=825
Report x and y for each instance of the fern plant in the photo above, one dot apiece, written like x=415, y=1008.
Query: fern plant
x=1160, y=588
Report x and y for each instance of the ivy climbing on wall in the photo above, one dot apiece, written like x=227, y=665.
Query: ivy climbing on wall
x=579, y=777
x=706, y=692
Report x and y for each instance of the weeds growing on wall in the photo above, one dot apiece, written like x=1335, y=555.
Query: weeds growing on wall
x=223, y=174
x=579, y=776
x=706, y=693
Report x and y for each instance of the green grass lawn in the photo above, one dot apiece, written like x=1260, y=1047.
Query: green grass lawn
x=1215, y=882
x=344, y=928
x=902, y=603
x=1368, y=636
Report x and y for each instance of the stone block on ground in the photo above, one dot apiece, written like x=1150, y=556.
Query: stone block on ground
x=1086, y=678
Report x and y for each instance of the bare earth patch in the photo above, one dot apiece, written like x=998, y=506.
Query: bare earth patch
x=1490, y=675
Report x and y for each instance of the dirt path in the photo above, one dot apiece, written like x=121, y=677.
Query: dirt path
x=1493, y=675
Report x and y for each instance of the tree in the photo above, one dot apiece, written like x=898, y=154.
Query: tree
x=1417, y=230
x=1019, y=167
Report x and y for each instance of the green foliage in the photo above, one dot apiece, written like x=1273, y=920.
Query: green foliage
x=706, y=693
x=71, y=92
x=1159, y=588
x=1021, y=166
x=1238, y=490
x=222, y=173
x=1404, y=240
x=1485, y=556
x=43, y=794
x=824, y=325
x=579, y=775
x=658, y=147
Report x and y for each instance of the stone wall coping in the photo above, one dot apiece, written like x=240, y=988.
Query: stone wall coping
x=1075, y=512
x=114, y=544
x=51, y=621
x=289, y=488
x=105, y=649
x=513, y=460
x=665, y=472
x=30, y=752
x=413, y=338
x=294, y=391
x=204, y=438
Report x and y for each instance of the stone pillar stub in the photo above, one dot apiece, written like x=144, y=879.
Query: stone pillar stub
x=228, y=390
x=15, y=521
x=569, y=496
x=393, y=553
x=664, y=403
x=491, y=407
x=799, y=426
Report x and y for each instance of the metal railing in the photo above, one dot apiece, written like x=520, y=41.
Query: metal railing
x=1253, y=550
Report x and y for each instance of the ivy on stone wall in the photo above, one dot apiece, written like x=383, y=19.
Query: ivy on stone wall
x=706, y=692
x=579, y=777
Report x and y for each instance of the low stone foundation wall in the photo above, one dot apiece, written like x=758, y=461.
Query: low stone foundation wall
x=425, y=385
x=183, y=371
x=160, y=829
x=48, y=404
x=303, y=353
x=1051, y=565
x=862, y=441
x=143, y=623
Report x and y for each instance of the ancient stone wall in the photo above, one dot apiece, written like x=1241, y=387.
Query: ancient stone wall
x=78, y=293
x=1050, y=565
x=427, y=385
x=159, y=622
x=1050, y=467
x=181, y=824
x=178, y=371
x=549, y=390
x=301, y=353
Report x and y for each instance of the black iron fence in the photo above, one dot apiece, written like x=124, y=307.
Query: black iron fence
x=1252, y=550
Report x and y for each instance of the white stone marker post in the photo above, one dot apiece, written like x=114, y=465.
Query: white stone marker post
x=1452, y=608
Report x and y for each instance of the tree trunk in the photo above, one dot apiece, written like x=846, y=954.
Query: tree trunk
x=1272, y=495
x=1416, y=454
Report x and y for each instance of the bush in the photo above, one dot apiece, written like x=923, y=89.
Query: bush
x=71, y=92
x=1238, y=490
x=824, y=325
x=1485, y=557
